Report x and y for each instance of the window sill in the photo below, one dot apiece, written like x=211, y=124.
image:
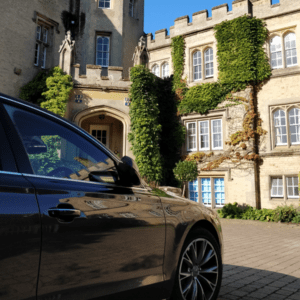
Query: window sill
x=282, y=72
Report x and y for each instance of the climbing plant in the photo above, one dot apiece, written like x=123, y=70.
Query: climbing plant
x=242, y=61
x=156, y=135
x=145, y=127
x=59, y=87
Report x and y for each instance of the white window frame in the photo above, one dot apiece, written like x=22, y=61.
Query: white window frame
x=209, y=64
x=213, y=191
x=188, y=136
x=293, y=186
x=277, y=186
x=165, y=70
x=208, y=135
x=44, y=57
x=107, y=52
x=276, y=51
x=105, y=1
x=212, y=135
x=131, y=8
x=286, y=49
x=280, y=126
x=38, y=32
x=36, y=54
x=289, y=125
x=45, y=35
x=155, y=70
x=196, y=58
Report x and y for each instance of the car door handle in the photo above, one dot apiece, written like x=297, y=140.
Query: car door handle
x=63, y=212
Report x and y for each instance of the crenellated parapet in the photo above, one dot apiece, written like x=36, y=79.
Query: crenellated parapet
x=200, y=21
x=264, y=9
x=93, y=77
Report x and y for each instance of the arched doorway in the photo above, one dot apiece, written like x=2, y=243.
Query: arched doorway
x=108, y=125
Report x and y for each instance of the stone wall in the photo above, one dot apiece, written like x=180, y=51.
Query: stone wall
x=18, y=24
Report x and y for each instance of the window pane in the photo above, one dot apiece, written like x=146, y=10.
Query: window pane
x=219, y=191
x=277, y=187
x=102, y=56
x=206, y=191
x=280, y=128
x=276, y=52
x=193, y=191
x=294, y=118
x=292, y=187
x=290, y=49
x=217, y=139
x=64, y=154
x=209, y=66
x=197, y=65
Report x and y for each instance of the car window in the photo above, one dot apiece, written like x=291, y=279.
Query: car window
x=57, y=151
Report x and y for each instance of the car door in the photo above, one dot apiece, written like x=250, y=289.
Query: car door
x=20, y=229
x=99, y=238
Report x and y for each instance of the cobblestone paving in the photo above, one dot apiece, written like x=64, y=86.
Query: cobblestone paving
x=261, y=261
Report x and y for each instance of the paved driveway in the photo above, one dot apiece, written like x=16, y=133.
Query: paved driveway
x=261, y=261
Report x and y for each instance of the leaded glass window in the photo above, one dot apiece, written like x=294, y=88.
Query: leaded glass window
x=290, y=50
x=131, y=8
x=206, y=191
x=217, y=141
x=209, y=64
x=165, y=70
x=219, y=190
x=280, y=128
x=294, y=119
x=276, y=52
x=277, y=187
x=197, y=65
x=204, y=135
x=193, y=191
x=155, y=70
x=102, y=56
x=192, y=139
x=104, y=3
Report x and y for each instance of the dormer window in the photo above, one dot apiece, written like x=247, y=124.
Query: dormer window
x=104, y=3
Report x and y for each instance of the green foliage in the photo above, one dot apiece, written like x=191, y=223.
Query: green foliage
x=44, y=163
x=34, y=89
x=186, y=171
x=59, y=87
x=242, y=62
x=204, y=97
x=178, y=48
x=280, y=214
x=145, y=127
x=172, y=135
x=156, y=135
x=241, y=56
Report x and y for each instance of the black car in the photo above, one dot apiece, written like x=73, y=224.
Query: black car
x=78, y=223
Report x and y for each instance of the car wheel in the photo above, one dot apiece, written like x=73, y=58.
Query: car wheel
x=199, y=272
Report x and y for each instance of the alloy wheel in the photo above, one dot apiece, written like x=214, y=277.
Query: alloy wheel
x=198, y=271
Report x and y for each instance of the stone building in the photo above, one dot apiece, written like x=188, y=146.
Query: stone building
x=97, y=41
x=274, y=181
x=92, y=40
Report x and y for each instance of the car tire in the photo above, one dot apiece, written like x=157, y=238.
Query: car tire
x=198, y=276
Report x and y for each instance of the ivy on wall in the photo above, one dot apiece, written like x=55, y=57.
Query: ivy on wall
x=156, y=134
x=242, y=62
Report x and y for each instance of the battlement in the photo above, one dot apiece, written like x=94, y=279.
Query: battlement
x=94, y=78
x=201, y=21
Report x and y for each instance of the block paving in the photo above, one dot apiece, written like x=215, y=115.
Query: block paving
x=261, y=261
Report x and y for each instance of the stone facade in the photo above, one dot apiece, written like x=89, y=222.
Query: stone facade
x=18, y=35
x=245, y=184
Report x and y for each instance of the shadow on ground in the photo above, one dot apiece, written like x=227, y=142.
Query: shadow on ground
x=250, y=284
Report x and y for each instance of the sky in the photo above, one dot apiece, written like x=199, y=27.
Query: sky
x=160, y=14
